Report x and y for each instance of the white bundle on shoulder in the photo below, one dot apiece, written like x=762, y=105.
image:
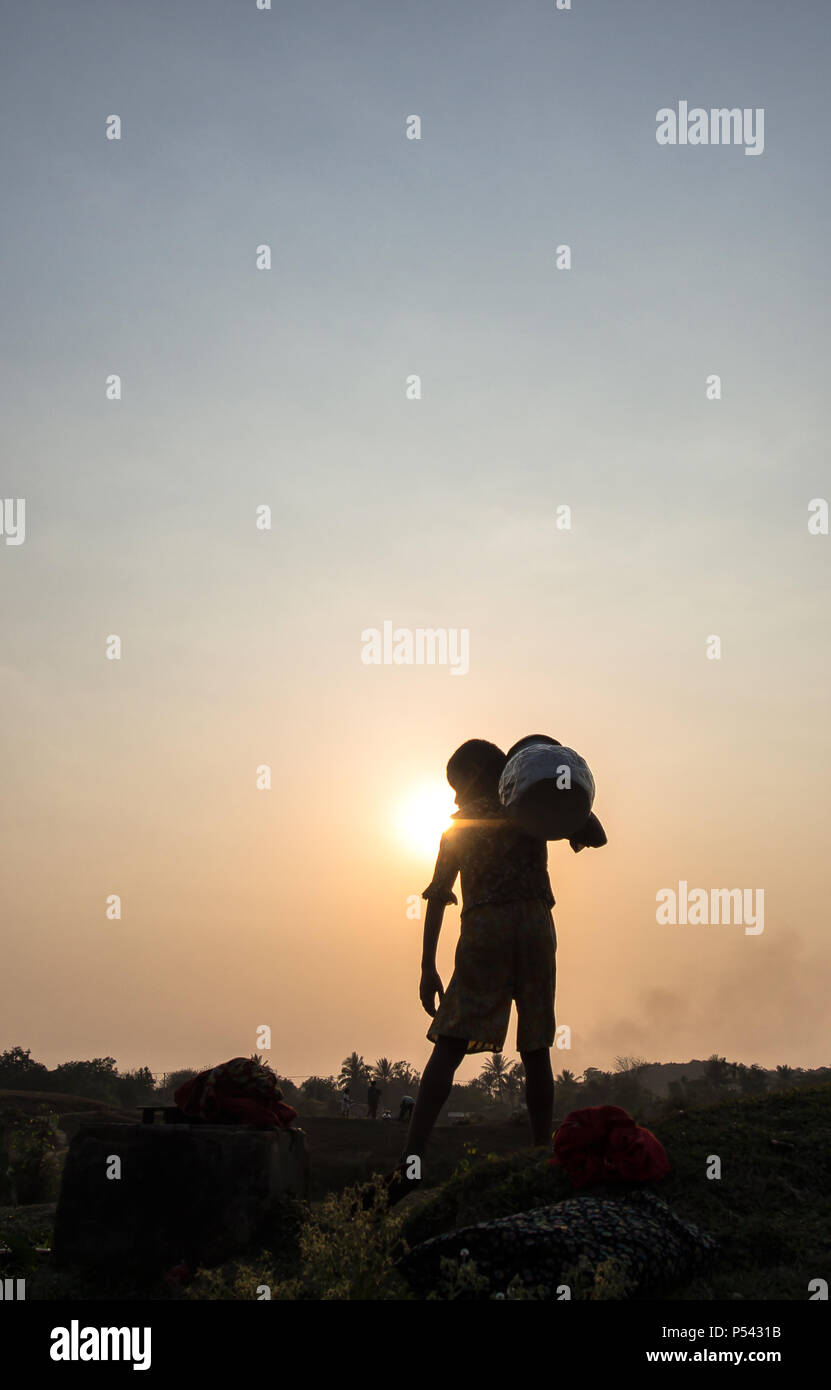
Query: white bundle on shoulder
x=548, y=791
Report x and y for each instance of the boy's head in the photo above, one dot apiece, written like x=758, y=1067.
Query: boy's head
x=475, y=769
x=532, y=738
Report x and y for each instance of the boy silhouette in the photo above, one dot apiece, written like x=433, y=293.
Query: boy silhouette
x=507, y=951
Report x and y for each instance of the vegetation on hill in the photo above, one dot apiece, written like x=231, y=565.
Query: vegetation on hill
x=770, y=1210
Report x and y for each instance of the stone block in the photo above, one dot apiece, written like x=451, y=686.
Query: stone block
x=193, y=1193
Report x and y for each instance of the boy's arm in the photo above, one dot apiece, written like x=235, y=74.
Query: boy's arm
x=431, y=984
x=439, y=892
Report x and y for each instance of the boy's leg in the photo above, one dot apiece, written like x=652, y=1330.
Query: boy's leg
x=433, y=1092
x=539, y=1093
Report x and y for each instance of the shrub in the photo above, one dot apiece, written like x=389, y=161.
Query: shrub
x=97, y=1079
x=345, y=1254
x=135, y=1088
x=609, y=1279
x=29, y=1147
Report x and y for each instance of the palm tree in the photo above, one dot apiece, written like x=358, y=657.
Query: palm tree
x=566, y=1092
x=402, y=1071
x=353, y=1071
x=516, y=1074
x=515, y=1081
x=384, y=1071
x=494, y=1073
x=784, y=1077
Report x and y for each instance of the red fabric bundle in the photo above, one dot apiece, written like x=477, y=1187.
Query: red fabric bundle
x=241, y=1092
x=602, y=1143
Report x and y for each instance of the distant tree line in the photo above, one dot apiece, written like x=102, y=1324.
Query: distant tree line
x=98, y=1079
x=626, y=1085
x=722, y=1079
x=499, y=1087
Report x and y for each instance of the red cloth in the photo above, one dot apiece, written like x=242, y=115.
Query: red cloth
x=602, y=1143
x=241, y=1092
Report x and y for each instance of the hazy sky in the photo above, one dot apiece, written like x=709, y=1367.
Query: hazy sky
x=541, y=388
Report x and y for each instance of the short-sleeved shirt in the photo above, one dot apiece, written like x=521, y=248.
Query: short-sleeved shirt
x=496, y=861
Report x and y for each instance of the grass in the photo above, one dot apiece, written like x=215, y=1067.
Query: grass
x=770, y=1209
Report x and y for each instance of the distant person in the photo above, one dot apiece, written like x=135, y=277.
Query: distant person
x=506, y=951
x=345, y=1103
x=407, y=1107
x=373, y=1096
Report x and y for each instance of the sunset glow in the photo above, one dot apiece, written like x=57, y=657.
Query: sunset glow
x=423, y=816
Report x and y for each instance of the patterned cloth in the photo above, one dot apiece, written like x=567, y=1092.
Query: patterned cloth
x=505, y=953
x=241, y=1091
x=653, y=1248
x=497, y=862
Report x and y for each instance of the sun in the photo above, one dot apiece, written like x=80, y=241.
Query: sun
x=423, y=815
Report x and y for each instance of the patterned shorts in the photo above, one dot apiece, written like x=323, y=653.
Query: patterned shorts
x=506, y=952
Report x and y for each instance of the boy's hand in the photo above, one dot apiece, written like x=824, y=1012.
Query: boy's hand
x=429, y=987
